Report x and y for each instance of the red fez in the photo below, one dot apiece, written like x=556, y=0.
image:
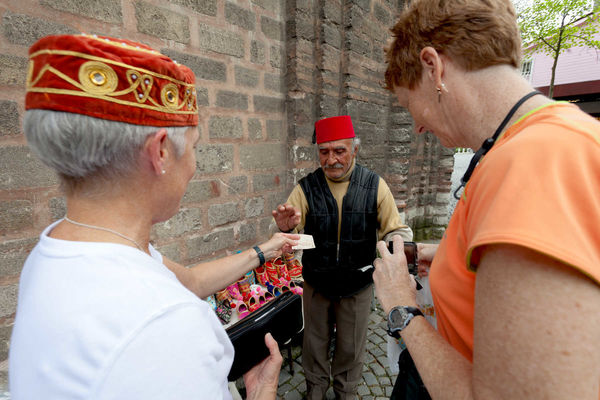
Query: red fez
x=334, y=128
x=113, y=79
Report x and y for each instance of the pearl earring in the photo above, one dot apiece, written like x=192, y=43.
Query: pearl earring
x=163, y=172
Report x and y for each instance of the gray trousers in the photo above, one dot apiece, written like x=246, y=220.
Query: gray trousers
x=351, y=317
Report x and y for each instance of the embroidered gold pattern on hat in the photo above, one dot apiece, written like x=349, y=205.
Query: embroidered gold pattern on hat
x=109, y=78
x=91, y=82
x=97, y=78
x=169, y=95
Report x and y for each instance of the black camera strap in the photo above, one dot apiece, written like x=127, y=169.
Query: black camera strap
x=489, y=142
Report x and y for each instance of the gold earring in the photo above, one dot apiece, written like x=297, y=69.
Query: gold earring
x=439, y=94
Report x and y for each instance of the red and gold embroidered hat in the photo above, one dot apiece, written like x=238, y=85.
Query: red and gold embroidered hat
x=334, y=128
x=113, y=79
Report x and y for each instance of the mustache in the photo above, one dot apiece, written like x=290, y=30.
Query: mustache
x=334, y=166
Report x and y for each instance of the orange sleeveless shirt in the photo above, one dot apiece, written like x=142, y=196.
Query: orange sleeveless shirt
x=538, y=187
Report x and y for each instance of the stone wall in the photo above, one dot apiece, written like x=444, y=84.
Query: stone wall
x=266, y=70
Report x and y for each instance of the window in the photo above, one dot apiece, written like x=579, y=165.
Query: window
x=526, y=68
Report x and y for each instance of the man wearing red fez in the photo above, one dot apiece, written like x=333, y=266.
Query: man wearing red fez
x=346, y=208
x=101, y=313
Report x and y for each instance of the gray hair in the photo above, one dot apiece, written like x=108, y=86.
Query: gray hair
x=355, y=144
x=78, y=146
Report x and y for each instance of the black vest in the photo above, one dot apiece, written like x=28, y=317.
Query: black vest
x=330, y=273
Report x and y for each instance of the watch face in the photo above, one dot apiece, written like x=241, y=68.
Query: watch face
x=398, y=316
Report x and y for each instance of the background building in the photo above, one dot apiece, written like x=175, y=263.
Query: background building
x=577, y=76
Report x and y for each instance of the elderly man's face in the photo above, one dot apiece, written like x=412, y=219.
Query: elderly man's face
x=336, y=157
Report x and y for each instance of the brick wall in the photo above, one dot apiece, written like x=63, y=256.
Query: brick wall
x=266, y=70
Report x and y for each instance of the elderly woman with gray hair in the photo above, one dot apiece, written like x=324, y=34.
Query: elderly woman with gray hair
x=100, y=316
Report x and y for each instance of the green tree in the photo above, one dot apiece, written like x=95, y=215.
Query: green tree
x=553, y=26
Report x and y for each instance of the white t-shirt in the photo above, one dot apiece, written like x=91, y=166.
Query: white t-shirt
x=107, y=321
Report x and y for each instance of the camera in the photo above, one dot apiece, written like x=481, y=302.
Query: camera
x=410, y=251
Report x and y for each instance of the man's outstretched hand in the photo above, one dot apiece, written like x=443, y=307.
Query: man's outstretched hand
x=286, y=216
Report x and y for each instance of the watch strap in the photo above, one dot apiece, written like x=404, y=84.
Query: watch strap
x=411, y=312
x=261, y=256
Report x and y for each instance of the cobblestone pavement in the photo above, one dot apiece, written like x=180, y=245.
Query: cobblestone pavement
x=378, y=379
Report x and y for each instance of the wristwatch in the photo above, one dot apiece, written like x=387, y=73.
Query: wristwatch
x=399, y=318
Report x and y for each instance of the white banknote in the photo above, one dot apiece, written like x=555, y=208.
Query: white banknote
x=305, y=242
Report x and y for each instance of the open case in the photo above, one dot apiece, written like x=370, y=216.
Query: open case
x=282, y=317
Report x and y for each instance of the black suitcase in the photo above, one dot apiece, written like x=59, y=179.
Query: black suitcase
x=282, y=317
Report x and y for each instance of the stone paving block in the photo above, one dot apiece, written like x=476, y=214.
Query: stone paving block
x=370, y=379
x=296, y=380
x=385, y=381
x=376, y=339
x=388, y=390
x=293, y=395
x=363, y=390
x=378, y=352
x=377, y=369
x=377, y=390
x=282, y=389
x=284, y=375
